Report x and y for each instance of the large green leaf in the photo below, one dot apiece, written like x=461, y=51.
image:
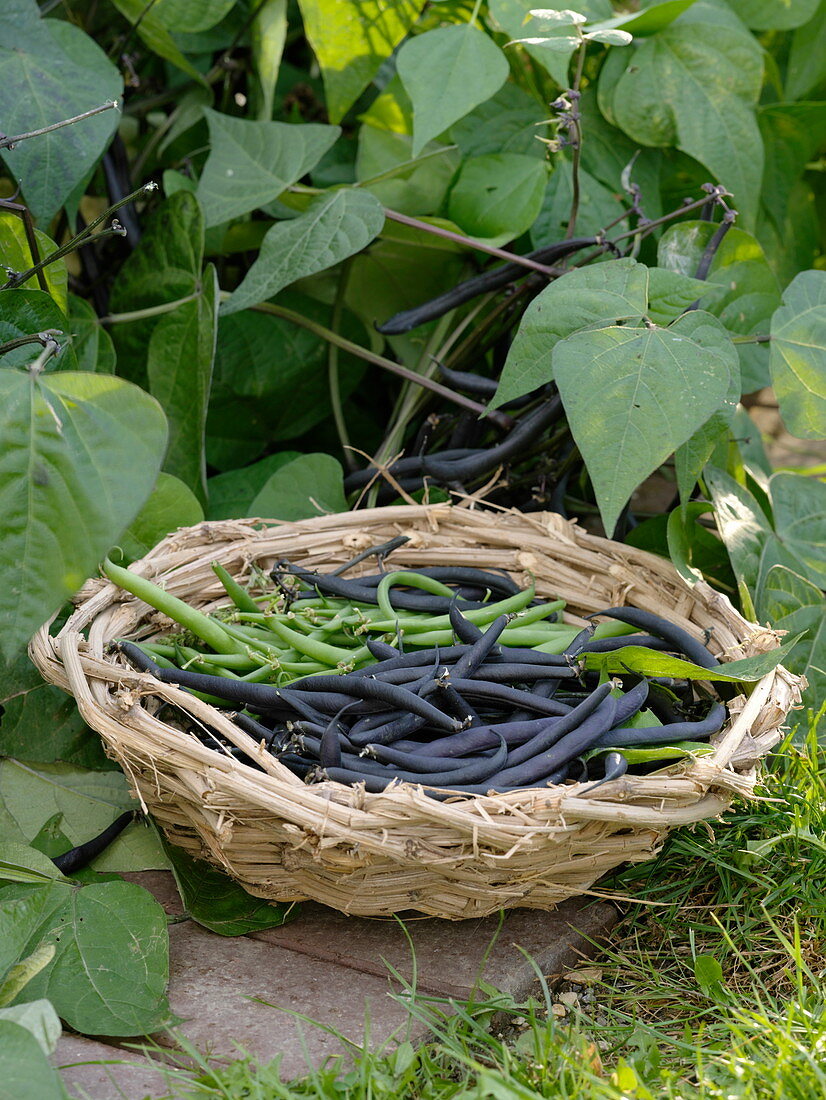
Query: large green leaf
x=268, y=33
x=792, y=135
x=91, y=342
x=742, y=289
x=598, y=206
x=610, y=292
x=270, y=382
x=694, y=85
x=232, y=493
x=516, y=19
x=311, y=485
x=335, y=226
x=24, y=1068
x=86, y=802
x=51, y=70
x=25, y=313
x=790, y=602
x=691, y=457
x=166, y=264
x=798, y=355
x=38, y=1017
x=165, y=267
x=632, y=395
x=179, y=366
x=799, y=507
x=497, y=195
x=807, y=57
x=171, y=505
x=447, y=72
x=769, y=15
x=219, y=904
x=252, y=163
x=16, y=254
x=155, y=33
x=111, y=963
x=742, y=524
x=80, y=456
x=351, y=41
x=510, y=121
x=41, y=723
x=409, y=186
x=191, y=15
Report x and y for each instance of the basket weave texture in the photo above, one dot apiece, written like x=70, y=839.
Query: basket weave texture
x=377, y=854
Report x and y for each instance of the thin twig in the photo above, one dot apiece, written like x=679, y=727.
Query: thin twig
x=469, y=242
x=332, y=368
x=44, y=337
x=85, y=236
x=24, y=214
x=575, y=132
x=10, y=142
x=150, y=311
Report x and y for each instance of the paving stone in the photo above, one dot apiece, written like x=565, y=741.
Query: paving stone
x=333, y=969
x=217, y=986
x=449, y=954
x=127, y=1075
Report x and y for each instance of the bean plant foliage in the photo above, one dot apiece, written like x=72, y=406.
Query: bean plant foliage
x=277, y=258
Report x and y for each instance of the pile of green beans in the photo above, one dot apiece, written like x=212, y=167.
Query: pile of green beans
x=455, y=679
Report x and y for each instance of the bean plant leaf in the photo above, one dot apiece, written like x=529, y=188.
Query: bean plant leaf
x=171, y=505
x=792, y=134
x=498, y=195
x=611, y=292
x=80, y=456
x=651, y=662
x=155, y=33
x=87, y=802
x=798, y=355
x=17, y=255
x=351, y=42
x=25, y=313
x=632, y=395
x=790, y=602
x=768, y=15
x=41, y=723
x=191, y=16
x=741, y=288
x=218, y=903
x=268, y=34
x=38, y=1017
x=91, y=342
x=335, y=226
x=111, y=963
x=51, y=70
x=807, y=57
x=799, y=507
x=670, y=294
x=20, y=863
x=24, y=1068
x=510, y=121
x=410, y=186
x=694, y=85
x=598, y=206
x=251, y=163
x=270, y=382
x=447, y=72
x=179, y=366
x=516, y=19
x=19, y=975
x=311, y=485
x=742, y=524
x=232, y=493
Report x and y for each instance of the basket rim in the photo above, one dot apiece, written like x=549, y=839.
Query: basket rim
x=695, y=791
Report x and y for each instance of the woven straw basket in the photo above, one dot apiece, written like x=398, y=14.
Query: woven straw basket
x=376, y=854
